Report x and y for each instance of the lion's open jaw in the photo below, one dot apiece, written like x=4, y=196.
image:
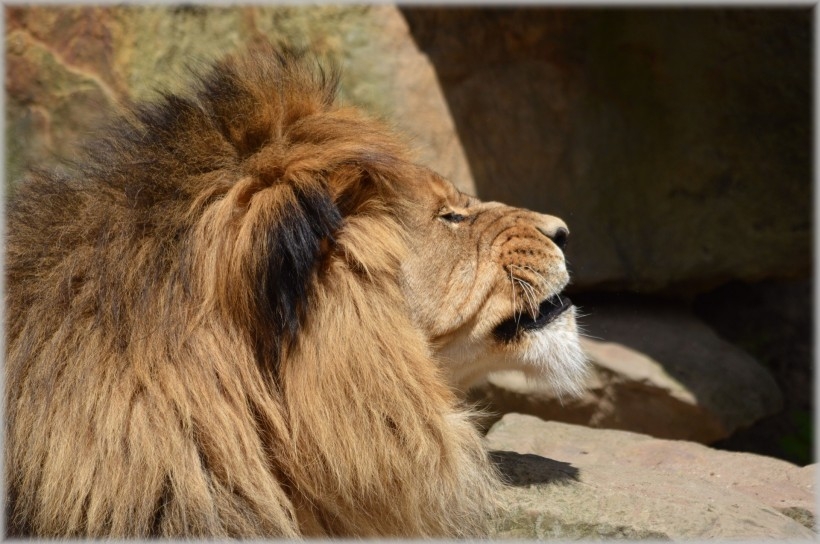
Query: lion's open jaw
x=548, y=310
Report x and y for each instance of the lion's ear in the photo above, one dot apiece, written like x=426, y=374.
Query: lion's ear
x=359, y=190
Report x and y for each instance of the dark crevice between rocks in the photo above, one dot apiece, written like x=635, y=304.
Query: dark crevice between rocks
x=773, y=321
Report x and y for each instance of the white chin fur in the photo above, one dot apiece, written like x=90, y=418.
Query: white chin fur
x=554, y=354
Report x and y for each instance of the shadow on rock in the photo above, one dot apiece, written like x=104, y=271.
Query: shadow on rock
x=521, y=470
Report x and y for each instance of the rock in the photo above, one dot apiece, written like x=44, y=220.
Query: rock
x=676, y=144
x=68, y=65
x=656, y=370
x=610, y=119
x=774, y=322
x=49, y=102
x=592, y=483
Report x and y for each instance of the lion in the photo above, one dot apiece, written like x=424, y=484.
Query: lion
x=247, y=312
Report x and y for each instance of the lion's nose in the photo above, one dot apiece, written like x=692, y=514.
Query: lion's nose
x=556, y=230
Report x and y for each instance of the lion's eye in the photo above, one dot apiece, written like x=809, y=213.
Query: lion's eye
x=453, y=217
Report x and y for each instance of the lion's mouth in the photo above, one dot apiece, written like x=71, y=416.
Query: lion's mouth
x=548, y=310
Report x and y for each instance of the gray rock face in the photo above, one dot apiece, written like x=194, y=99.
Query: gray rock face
x=675, y=143
x=655, y=370
x=614, y=484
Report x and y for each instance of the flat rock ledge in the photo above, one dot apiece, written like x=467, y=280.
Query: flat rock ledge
x=571, y=482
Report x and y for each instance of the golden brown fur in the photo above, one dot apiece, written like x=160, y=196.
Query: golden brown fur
x=209, y=331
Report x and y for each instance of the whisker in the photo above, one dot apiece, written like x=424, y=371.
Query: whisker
x=528, y=289
x=535, y=272
x=512, y=287
x=529, y=293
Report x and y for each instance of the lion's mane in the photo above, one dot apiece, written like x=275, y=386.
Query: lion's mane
x=206, y=334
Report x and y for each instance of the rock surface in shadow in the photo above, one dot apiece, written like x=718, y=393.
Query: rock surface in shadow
x=676, y=143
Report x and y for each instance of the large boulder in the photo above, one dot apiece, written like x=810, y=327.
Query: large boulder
x=675, y=143
x=674, y=166
x=655, y=370
x=573, y=482
x=67, y=65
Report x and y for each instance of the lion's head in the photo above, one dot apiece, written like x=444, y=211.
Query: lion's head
x=246, y=313
x=484, y=281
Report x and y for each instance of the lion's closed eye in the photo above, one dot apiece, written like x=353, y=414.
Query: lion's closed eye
x=452, y=217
